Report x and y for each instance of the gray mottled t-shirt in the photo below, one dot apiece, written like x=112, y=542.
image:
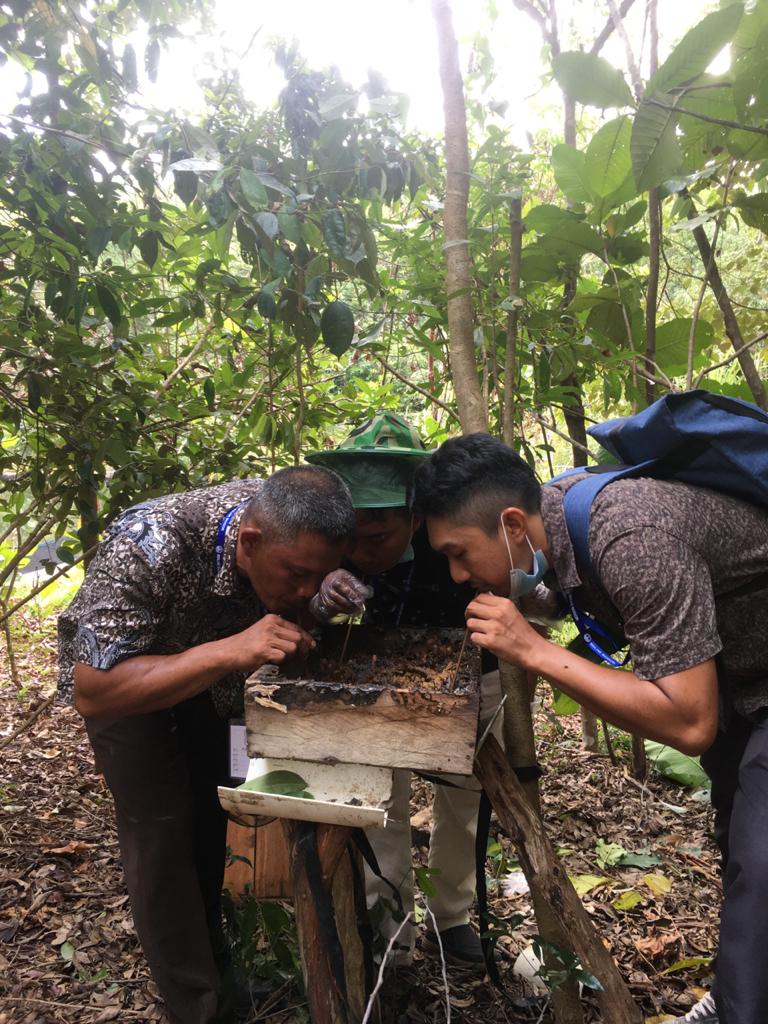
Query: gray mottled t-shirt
x=157, y=586
x=672, y=559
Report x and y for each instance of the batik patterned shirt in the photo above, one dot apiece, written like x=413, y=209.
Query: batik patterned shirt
x=157, y=585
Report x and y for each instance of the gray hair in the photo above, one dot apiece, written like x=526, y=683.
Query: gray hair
x=303, y=499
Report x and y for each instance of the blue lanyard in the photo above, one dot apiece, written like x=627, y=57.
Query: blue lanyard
x=587, y=626
x=221, y=533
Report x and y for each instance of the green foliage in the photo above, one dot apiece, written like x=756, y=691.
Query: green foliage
x=590, y=79
x=679, y=767
x=279, y=782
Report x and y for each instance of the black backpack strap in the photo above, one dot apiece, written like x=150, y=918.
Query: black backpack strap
x=326, y=920
x=363, y=843
x=364, y=929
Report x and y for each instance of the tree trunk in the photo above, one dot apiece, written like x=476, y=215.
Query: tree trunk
x=513, y=315
x=654, y=236
x=732, y=329
x=520, y=748
x=458, y=277
x=542, y=869
x=639, y=759
x=590, y=736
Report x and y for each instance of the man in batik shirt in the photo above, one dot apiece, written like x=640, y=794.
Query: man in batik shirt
x=186, y=595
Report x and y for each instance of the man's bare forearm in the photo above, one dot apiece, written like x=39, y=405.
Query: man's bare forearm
x=151, y=682
x=648, y=708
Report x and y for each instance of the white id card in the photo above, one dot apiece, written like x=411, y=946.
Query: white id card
x=238, y=753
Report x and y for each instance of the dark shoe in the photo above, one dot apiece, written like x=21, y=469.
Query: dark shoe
x=461, y=944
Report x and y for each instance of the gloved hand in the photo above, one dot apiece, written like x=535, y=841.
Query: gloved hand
x=340, y=593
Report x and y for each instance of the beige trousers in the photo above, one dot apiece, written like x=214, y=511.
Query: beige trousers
x=451, y=847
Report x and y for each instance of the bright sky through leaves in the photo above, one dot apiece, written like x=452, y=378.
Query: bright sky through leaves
x=397, y=39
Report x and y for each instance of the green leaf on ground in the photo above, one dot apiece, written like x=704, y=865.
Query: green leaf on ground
x=677, y=766
x=628, y=900
x=584, y=884
x=659, y=885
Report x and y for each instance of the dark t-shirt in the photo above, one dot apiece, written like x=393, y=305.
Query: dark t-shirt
x=418, y=592
x=673, y=563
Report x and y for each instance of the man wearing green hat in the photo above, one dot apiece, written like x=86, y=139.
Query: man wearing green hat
x=403, y=582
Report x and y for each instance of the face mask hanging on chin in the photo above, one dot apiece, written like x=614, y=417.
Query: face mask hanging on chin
x=520, y=582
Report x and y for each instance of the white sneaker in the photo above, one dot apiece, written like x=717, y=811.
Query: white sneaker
x=704, y=1012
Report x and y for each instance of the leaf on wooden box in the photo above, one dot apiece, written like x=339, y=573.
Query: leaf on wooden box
x=280, y=783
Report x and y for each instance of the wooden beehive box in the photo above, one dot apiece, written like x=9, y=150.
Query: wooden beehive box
x=389, y=704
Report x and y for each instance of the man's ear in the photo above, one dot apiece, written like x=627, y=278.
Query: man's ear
x=515, y=522
x=251, y=538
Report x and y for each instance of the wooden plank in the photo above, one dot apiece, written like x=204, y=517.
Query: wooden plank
x=238, y=874
x=327, y=988
x=267, y=876
x=391, y=728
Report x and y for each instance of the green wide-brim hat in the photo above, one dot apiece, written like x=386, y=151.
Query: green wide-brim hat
x=377, y=461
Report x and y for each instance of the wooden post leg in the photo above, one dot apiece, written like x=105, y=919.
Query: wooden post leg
x=520, y=747
x=543, y=869
x=331, y=963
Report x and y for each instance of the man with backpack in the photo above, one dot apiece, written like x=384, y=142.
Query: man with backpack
x=676, y=570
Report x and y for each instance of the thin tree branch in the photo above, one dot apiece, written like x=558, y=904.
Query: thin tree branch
x=28, y=722
x=415, y=386
x=634, y=70
x=710, y=120
x=185, y=361
x=731, y=357
x=602, y=38
x=46, y=583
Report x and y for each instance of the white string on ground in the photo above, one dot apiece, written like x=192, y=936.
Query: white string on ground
x=543, y=1010
x=443, y=966
x=382, y=967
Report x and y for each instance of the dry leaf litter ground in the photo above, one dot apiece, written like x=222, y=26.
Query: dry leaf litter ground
x=68, y=952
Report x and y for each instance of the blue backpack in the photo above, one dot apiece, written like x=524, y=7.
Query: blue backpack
x=695, y=437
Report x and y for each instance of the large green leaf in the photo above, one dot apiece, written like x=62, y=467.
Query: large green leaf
x=754, y=210
x=697, y=49
x=568, y=165
x=701, y=140
x=281, y=783
x=655, y=150
x=675, y=765
x=590, y=79
x=337, y=326
x=608, y=159
x=563, y=231
x=672, y=343
x=253, y=188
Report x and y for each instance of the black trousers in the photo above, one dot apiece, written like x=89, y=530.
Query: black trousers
x=163, y=769
x=737, y=764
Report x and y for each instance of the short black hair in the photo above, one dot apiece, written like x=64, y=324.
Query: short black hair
x=472, y=479
x=303, y=499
